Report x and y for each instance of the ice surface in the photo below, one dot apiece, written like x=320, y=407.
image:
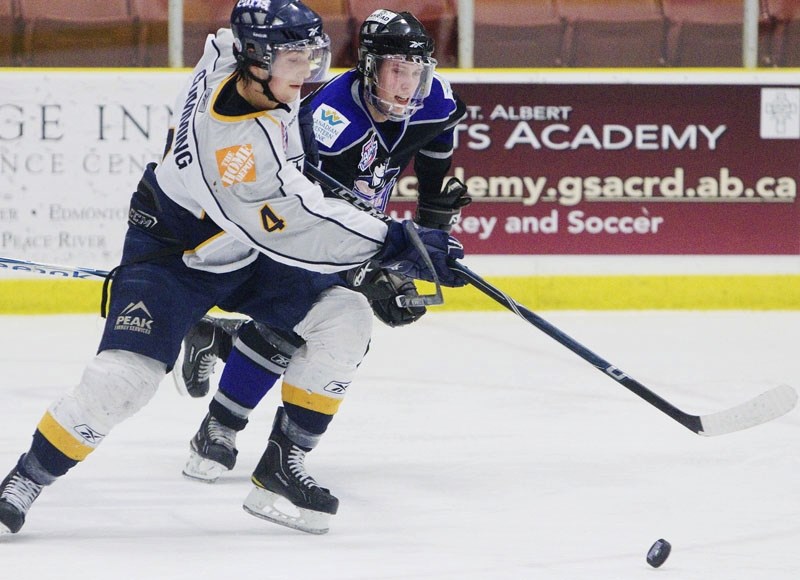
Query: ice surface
x=470, y=446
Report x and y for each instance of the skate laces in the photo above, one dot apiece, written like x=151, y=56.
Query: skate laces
x=220, y=434
x=205, y=366
x=20, y=492
x=296, y=463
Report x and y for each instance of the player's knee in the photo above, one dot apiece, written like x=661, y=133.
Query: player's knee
x=340, y=324
x=116, y=384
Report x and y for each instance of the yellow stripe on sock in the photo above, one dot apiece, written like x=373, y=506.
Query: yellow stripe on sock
x=311, y=401
x=62, y=439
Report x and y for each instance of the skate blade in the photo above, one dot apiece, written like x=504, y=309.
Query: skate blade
x=276, y=509
x=198, y=468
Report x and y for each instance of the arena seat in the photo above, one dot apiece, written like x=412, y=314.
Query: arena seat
x=704, y=33
x=84, y=33
x=517, y=33
x=151, y=16
x=200, y=18
x=437, y=16
x=785, y=45
x=613, y=33
x=7, y=32
x=339, y=25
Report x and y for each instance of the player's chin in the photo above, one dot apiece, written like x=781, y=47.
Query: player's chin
x=289, y=93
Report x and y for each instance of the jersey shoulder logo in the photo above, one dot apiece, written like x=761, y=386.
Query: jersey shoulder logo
x=236, y=164
x=328, y=124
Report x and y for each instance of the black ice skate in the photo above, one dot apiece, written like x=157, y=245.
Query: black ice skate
x=208, y=340
x=17, y=493
x=284, y=493
x=213, y=451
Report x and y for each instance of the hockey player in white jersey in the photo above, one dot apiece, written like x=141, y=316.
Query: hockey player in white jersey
x=228, y=219
x=370, y=122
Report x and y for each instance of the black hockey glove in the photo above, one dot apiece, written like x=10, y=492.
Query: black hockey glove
x=386, y=309
x=305, y=119
x=400, y=256
x=382, y=289
x=443, y=211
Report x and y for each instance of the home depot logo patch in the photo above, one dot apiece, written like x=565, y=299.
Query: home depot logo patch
x=236, y=164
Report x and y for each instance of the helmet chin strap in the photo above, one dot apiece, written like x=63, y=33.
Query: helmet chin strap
x=264, y=84
x=267, y=91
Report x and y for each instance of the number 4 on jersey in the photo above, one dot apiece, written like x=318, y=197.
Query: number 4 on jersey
x=270, y=220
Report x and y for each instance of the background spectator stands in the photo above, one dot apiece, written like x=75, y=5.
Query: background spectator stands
x=76, y=33
x=784, y=22
x=200, y=18
x=626, y=33
x=507, y=33
x=704, y=32
x=518, y=33
x=7, y=19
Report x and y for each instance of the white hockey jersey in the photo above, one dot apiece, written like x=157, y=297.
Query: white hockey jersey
x=243, y=173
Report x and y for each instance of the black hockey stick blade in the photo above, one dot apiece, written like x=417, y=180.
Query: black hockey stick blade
x=342, y=192
x=761, y=409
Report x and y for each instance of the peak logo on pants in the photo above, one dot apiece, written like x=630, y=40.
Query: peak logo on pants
x=135, y=317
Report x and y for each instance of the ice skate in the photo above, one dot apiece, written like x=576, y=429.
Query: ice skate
x=213, y=451
x=284, y=492
x=207, y=341
x=17, y=493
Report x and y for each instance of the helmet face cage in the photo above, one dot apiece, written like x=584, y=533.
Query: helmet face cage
x=397, y=84
x=265, y=32
x=386, y=40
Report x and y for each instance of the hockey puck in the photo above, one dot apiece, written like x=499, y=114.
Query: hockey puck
x=658, y=553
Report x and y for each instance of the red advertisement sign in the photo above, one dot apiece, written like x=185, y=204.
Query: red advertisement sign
x=627, y=169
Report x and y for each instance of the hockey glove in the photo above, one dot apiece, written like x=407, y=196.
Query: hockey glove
x=386, y=309
x=305, y=119
x=443, y=211
x=382, y=289
x=400, y=256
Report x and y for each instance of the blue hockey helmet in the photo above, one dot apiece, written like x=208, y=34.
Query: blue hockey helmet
x=264, y=28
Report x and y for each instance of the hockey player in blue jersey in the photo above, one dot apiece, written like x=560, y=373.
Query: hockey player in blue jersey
x=227, y=218
x=369, y=123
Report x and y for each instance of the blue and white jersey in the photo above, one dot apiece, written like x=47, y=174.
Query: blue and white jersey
x=240, y=168
x=368, y=156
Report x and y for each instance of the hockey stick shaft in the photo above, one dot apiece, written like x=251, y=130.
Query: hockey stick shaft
x=348, y=195
x=343, y=192
x=765, y=407
x=23, y=266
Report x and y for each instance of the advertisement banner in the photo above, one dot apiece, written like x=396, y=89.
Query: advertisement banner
x=627, y=169
x=73, y=146
x=621, y=164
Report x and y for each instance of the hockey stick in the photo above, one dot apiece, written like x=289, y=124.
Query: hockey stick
x=765, y=407
x=12, y=265
x=346, y=194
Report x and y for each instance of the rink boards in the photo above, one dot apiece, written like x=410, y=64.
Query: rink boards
x=687, y=178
